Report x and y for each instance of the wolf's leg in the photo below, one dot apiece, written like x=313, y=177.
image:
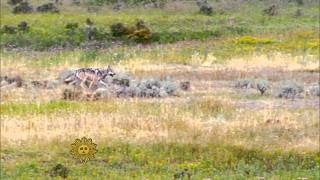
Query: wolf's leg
x=94, y=81
x=105, y=84
x=82, y=84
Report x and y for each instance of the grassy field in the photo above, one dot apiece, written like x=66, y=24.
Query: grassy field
x=212, y=131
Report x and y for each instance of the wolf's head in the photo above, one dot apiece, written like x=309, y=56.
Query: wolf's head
x=108, y=72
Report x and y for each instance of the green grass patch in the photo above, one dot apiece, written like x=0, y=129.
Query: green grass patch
x=161, y=160
x=49, y=30
x=199, y=108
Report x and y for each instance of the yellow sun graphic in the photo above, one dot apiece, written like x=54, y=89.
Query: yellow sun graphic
x=83, y=149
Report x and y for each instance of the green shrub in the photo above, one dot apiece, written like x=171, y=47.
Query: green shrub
x=119, y=30
x=205, y=7
x=8, y=29
x=141, y=33
x=23, y=7
x=23, y=26
x=48, y=7
x=14, y=2
x=59, y=170
x=253, y=40
x=271, y=11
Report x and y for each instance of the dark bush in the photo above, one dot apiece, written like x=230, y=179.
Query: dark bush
x=76, y=2
x=118, y=5
x=15, y=79
x=271, y=11
x=205, y=7
x=314, y=90
x=154, y=3
x=119, y=30
x=59, y=170
x=298, y=13
x=14, y=2
x=23, y=26
x=22, y=7
x=72, y=26
x=141, y=33
x=244, y=84
x=141, y=36
x=92, y=32
x=290, y=89
x=49, y=7
x=299, y=2
x=8, y=29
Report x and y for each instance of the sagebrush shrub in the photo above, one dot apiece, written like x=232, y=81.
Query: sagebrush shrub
x=23, y=26
x=48, y=7
x=14, y=2
x=244, y=83
x=315, y=90
x=8, y=29
x=59, y=170
x=22, y=7
x=205, y=7
x=289, y=89
x=119, y=30
x=271, y=11
x=141, y=32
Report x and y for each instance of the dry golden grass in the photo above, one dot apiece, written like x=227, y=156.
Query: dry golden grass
x=208, y=113
x=210, y=119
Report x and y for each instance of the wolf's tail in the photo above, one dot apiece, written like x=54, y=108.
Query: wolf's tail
x=69, y=79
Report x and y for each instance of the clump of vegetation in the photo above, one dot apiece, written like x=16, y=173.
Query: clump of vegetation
x=22, y=8
x=119, y=30
x=48, y=7
x=118, y=5
x=140, y=33
x=205, y=7
x=8, y=29
x=14, y=2
x=21, y=27
x=298, y=13
x=254, y=40
x=185, y=173
x=271, y=11
x=299, y=2
x=244, y=83
x=59, y=170
x=290, y=89
x=72, y=28
x=7, y=80
x=314, y=90
x=154, y=3
x=149, y=88
x=72, y=94
x=92, y=32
